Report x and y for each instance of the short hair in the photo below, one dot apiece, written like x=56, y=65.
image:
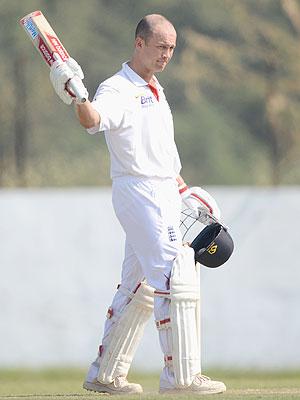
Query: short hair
x=146, y=26
x=143, y=29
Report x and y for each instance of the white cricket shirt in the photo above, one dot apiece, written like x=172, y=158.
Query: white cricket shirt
x=138, y=129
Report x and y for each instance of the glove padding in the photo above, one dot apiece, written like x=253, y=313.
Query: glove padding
x=202, y=204
x=61, y=73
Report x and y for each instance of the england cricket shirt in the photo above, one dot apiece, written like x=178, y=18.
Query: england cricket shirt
x=138, y=127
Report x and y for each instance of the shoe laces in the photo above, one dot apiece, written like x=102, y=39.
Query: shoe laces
x=202, y=378
x=120, y=381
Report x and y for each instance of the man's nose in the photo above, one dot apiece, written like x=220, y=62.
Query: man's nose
x=167, y=54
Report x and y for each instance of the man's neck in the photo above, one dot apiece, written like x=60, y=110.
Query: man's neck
x=141, y=71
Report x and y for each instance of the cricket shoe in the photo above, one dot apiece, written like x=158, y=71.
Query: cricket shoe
x=201, y=385
x=120, y=386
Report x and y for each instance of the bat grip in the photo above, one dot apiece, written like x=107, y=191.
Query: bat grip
x=78, y=90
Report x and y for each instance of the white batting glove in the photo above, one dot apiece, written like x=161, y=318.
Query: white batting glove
x=201, y=203
x=61, y=73
x=75, y=67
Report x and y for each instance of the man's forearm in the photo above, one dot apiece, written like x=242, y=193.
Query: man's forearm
x=180, y=180
x=182, y=186
x=87, y=115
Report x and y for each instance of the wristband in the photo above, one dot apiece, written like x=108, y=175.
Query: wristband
x=183, y=188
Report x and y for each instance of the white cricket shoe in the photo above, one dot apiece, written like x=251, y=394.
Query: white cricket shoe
x=201, y=385
x=119, y=386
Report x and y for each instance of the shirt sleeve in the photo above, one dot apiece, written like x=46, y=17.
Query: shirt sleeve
x=109, y=105
x=177, y=163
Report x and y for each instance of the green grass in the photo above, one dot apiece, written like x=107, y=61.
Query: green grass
x=63, y=384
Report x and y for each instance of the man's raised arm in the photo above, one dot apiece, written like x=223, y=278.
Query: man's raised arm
x=87, y=115
x=60, y=74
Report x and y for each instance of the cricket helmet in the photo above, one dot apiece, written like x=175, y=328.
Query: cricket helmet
x=213, y=245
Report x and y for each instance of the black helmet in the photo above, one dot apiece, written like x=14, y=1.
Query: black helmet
x=213, y=245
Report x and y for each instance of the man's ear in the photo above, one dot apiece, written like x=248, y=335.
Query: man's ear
x=139, y=42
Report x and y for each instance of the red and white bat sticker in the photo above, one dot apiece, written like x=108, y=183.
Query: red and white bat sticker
x=46, y=52
x=59, y=49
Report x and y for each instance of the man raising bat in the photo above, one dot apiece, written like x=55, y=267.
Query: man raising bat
x=158, y=272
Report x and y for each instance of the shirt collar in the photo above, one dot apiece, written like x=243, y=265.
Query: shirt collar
x=135, y=78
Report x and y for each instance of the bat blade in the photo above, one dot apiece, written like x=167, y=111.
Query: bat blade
x=43, y=37
x=48, y=45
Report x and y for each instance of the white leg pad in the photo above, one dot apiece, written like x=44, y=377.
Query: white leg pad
x=183, y=326
x=125, y=335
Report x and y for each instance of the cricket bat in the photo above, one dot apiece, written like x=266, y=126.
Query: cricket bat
x=47, y=43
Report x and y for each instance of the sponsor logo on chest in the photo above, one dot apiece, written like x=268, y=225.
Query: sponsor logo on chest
x=147, y=101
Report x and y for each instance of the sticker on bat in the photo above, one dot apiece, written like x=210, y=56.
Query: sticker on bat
x=46, y=52
x=31, y=29
x=58, y=47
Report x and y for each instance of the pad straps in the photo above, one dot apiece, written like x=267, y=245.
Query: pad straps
x=116, y=357
x=181, y=328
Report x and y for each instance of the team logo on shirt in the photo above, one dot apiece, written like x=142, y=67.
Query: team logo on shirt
x=147, y=101
x=171, y=234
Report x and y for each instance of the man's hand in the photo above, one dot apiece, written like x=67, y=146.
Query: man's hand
x=202, y=204
x=61, y=74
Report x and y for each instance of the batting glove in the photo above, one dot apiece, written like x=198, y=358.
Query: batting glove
x=61, y=73
x=201, y=203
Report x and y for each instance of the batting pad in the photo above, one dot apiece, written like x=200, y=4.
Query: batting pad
x=185, y=317
x=126, y=335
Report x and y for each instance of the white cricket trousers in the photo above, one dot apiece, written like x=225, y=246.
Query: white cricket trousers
x=149, y=212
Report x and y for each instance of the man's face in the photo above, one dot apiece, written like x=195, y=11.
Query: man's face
x=157, y=51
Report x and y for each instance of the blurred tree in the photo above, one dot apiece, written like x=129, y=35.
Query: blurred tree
x=249, y=66
x=21, y=123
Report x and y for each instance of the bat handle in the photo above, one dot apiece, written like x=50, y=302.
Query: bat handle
x=78, y=90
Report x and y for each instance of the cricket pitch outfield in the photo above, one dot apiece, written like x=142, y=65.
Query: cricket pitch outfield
x=63, y=384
